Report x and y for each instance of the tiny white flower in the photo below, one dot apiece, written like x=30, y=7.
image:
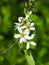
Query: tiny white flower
x=22, y=35
x=28, y=26
x=20, y=19
x=28, y=44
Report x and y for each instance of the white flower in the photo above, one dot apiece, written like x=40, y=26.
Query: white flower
x=28, y=26
x=22, y=35
x=20, y=19
x=28, y=44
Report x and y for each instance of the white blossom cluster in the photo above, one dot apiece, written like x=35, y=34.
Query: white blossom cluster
x=24, y=27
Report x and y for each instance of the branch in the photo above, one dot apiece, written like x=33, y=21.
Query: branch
x=8, y=49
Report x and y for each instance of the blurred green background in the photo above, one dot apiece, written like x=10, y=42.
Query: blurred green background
x=10, y=10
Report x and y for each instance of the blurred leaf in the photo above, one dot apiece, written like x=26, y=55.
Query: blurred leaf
x=6, y=12
x=29, y=58
x=34, y=18
x=42, y=52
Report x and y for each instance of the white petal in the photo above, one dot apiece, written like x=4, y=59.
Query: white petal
x=17, y=36
x=22, y=27
x=26, y=31
x=30, y=12
x=32, y=36
x=27, y=16
x=20, y=19
x=33, y=43
x=17, y=24
x=32, y=24
x=22, y=40
x=19, y=29
x=27, y=46
x=27, y=37
x=32, y=28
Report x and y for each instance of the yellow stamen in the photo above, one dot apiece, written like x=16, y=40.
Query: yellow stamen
x=28, y=26
x=22, y=34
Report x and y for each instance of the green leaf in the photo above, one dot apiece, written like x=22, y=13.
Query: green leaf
x=34, y=17
x=29, y=58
